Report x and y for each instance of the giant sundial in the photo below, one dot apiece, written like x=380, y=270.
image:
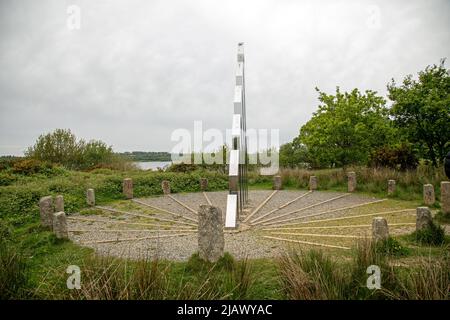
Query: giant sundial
x=257, y=223
x=166, y=226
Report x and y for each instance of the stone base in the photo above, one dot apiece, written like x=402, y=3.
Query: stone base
x=391, y=187
x=445, y=197
x=277, y=184
x=128, y=188
x=428, y=194
x=46, y=211
x=351, y=181
x=312, y=183
x=380, y=229
x=241, y=227
x=423, y=218
x=165, y=185
x=210, y=233
x=90, y=197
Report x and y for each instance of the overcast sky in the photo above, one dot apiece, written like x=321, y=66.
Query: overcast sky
x=137, y=70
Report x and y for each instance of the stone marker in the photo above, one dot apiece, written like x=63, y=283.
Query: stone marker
x=312, y=183
x=59, y=203
x=351, y=176
x=165, y=185
x=391, y=187
x=428, y=194
x=203, y=184
x=445, y=197
x=277, y=183
x=380, y=229
x=60, y=225
x=423, y=218
x=211, y=240
x=128, y=188
x=90, y=197
x=46, y=211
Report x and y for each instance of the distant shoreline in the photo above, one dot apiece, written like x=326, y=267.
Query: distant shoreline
x=152, y=165
x=144, y=156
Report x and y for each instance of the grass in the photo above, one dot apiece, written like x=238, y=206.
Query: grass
x=310, y=275
x=442, y=217
x=372, y=181
x=314, y=275
x=433, y=235
x=13, y=275
x=34, y=262
x=429, y=279
x=19, y=199
x=39, y=267
x=392, y=247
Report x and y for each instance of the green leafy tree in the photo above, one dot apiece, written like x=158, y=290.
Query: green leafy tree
x=61, y=147
x=346, y=127
x=421, y=108
x=294, y=154
x=398, y=156
x=93, y=153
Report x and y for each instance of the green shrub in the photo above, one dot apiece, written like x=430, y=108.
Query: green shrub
x=442, y=217
x=19, y=201
x=5, y=231
x=182, y=167
x=6, y=179
x=62, y=147
x=391, y=247
x=434, y=235
x=401, y=157
x=31, y=166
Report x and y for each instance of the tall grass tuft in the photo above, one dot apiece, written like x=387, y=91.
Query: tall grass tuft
x=240, y=279
x=224, y=279
x=107, y=278
x=311, y=275
x=429, y=280
x=367, y=253
x=13, y=276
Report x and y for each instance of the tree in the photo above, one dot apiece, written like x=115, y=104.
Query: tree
x=93, y=153
x=294, y=154
x=346, y=127
x=422, y=109
x=61, y=147
x=399, y=156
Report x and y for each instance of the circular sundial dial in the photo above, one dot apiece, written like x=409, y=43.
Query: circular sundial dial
x=166, y=226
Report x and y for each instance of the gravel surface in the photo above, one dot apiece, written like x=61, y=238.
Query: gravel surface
x=158, y=239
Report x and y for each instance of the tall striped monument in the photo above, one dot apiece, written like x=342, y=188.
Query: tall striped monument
x=238, y=195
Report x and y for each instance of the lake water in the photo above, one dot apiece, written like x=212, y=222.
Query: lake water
x=152, y=165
